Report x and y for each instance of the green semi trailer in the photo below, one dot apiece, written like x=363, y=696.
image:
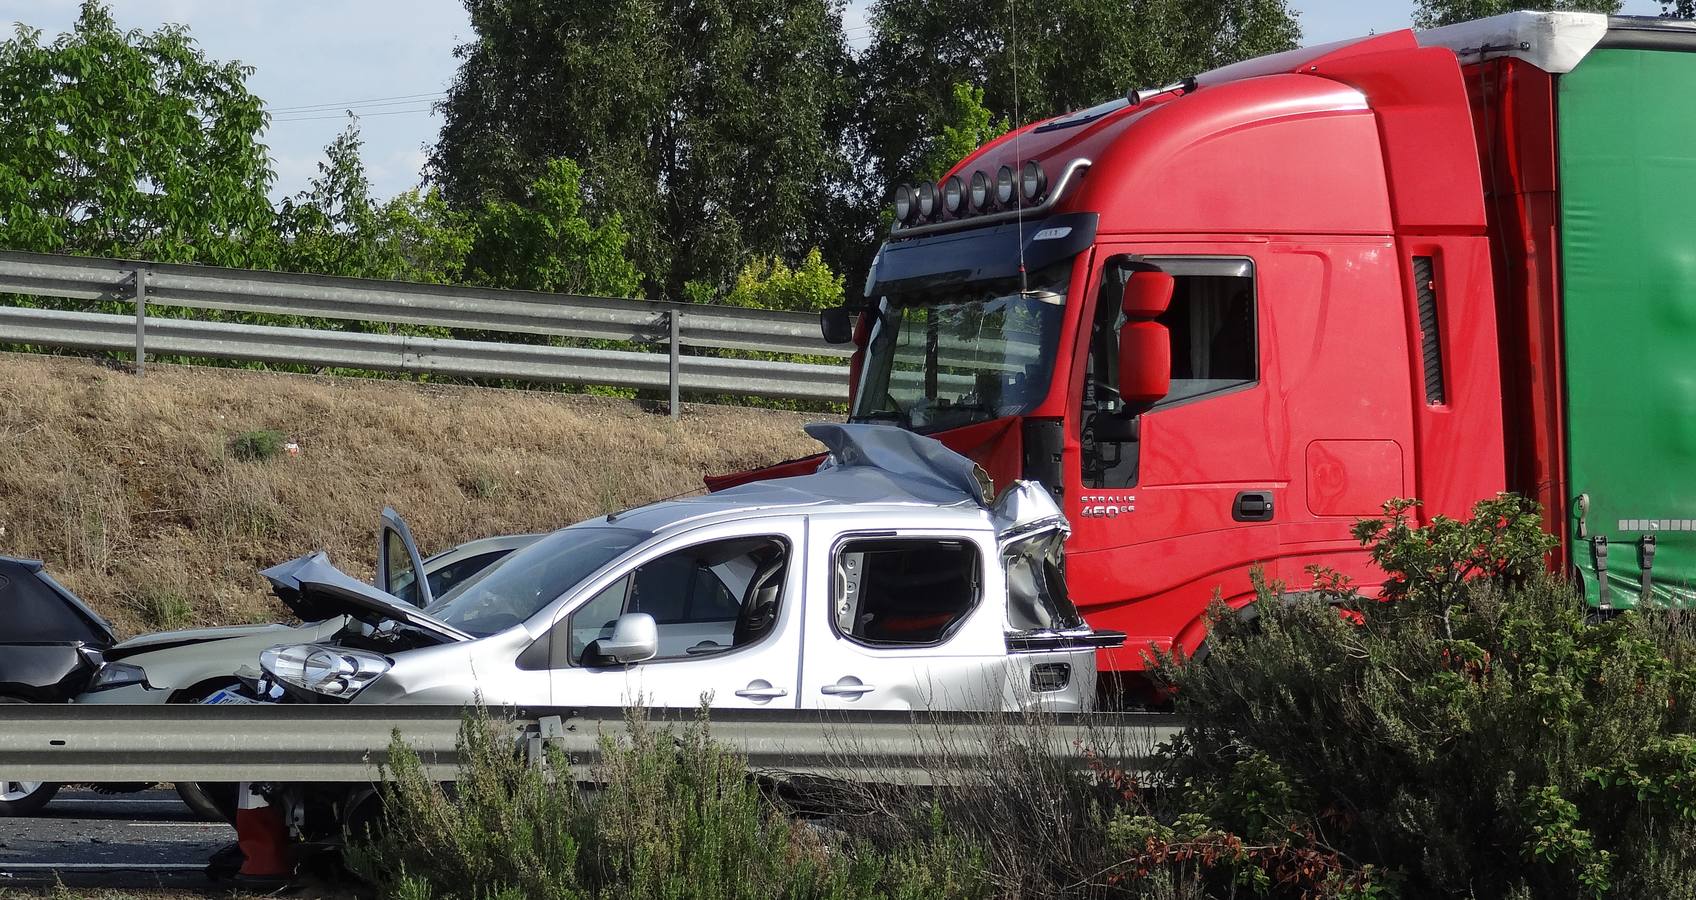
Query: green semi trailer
x=1625, y=133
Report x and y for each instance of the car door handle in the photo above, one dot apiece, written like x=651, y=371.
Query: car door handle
x=851, y=690
x=762, y=693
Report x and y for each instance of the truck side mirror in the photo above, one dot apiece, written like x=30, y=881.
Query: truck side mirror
x=837, y=325
x=1147, y=294
x=634, y=638
x=1145, y=362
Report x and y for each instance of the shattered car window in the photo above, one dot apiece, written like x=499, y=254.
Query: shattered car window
x=515, y=588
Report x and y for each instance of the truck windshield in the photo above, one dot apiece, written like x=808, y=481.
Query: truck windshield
x=952, y=355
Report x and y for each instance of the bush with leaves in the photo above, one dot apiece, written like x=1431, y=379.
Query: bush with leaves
x=1471, y=733
x=674, y=815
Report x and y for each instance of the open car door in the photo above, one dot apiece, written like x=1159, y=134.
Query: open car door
x=51, y=641
x=400, y=568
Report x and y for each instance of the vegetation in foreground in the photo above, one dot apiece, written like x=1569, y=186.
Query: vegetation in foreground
x=1477, y=737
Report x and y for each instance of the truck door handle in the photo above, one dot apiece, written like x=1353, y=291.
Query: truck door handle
x=761, y=689
x=1252, y=506
x=847, y=689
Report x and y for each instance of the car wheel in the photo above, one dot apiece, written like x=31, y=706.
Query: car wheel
x=213, y=801
x=24, y=798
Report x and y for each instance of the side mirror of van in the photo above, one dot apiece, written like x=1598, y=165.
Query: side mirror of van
x=837, y=325
x=634, y=638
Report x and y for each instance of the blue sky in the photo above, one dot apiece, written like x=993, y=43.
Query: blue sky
x=389, y=59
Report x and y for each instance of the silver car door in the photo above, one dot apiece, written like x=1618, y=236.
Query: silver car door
x=904, y=620
x=727, y=604
x=399, y=566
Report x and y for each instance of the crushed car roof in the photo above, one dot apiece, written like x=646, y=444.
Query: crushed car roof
x=870, y=469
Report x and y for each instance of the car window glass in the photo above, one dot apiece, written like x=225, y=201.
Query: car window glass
x=594, y=620
x=451, y=575
x=903, y=592
x=521, y=584
x=402, y=582
x=705, y=599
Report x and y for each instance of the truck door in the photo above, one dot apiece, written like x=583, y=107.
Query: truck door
x=903, y=620
x=1174, y=490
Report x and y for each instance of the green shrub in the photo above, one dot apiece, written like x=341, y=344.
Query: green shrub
x=1475, y=737
x=257, y=446
x=165, y=610
x=676, y=816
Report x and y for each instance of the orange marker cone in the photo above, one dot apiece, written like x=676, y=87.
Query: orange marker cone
x=263, y=837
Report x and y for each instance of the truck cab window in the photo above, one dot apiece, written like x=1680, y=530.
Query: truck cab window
x=705, y=599
x=903, y=592
x=1211, y=324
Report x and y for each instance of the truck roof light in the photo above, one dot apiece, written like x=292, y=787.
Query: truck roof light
x=904, y=203
x=927, y=199
x=980, y=191
x=1004, y=188
x=954, y=195
x=1033, y=181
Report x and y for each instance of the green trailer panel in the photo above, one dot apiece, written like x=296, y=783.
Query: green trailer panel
x=1627, y=133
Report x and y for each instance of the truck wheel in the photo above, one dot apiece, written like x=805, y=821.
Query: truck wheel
x=24, y=798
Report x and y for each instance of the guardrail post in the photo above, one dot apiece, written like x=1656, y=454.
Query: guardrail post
x=140, y=320
x=675, y=318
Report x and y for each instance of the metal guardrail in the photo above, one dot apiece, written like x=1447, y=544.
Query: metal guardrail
x=323, y=743
x=676, y=325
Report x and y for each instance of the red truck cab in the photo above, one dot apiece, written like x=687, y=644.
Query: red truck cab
x=1221, y=321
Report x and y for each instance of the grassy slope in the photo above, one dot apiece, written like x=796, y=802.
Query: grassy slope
x=127, y=487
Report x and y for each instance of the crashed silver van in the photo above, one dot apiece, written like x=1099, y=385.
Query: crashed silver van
x=889, y=579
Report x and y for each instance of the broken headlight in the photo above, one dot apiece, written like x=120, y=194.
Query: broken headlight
x=332, y=671
x=117, y=675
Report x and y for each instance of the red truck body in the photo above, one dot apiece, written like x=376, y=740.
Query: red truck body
x=1363, y=242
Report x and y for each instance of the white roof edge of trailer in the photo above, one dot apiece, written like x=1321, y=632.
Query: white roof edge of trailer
x=1552, y=41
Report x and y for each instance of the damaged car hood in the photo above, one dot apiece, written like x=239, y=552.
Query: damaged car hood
x=314, y=590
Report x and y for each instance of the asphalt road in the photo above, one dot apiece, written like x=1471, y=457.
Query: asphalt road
x=145, y=841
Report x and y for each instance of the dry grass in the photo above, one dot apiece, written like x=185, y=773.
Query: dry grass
x=128, y=487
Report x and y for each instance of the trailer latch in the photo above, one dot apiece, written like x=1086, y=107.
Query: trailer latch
x=1646, y=559
x=1599, y=557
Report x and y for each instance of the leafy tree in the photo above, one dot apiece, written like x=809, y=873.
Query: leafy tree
x=711, y=127
x=331, y=227
x=118, y=143
x=1678, y=9
x=1431, y=13
x=1062, y=55
x=335, y=227
x=423, y=238
x=768, y=283
x=967, y=126
x=546, y=242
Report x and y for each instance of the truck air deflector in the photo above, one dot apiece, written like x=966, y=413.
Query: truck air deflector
x=1552, y=41
x=980, y=253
